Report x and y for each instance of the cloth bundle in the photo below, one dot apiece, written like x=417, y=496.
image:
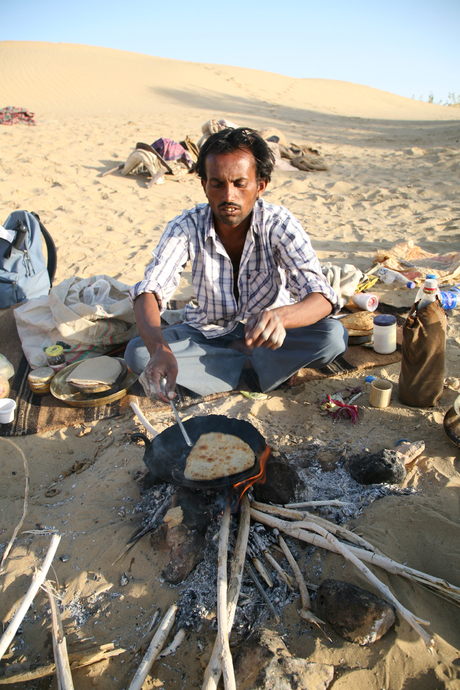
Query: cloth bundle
x=64, y=316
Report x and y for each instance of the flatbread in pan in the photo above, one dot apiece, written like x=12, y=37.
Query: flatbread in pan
x=217, y=455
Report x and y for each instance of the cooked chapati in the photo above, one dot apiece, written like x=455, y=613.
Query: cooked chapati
x=360, y=323
x=97, y=370
x=217, y=455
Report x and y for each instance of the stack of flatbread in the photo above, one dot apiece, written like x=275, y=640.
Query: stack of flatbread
x=95, y=375
x=216, y=455
x=359, y=324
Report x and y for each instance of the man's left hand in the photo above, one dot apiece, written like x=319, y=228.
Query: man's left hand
x=265, y=330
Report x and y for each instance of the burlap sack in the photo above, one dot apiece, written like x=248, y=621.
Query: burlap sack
x=421, y=381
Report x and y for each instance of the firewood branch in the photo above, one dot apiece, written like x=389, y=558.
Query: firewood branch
x=347, y=553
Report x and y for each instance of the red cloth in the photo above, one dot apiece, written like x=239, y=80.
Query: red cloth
x=12, y=115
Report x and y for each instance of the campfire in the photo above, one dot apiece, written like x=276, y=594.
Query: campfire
x=265, y=558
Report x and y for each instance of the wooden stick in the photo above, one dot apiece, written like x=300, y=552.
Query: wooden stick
x=319, y=504
x=24, y=506
x=175, y=644
x=214, y=669
x=262, y=592
x=347, y=553
x=143, y=418
x=305, y=597
x=339, y=531
x=222, y=620
x=306, y=613
x=154, y=648
x=76, y=661
x=276, y=566
x=436, y=584
x=63, y=673
x=37, y=581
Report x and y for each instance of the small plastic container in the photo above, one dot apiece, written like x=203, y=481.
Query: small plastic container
x=384, y=334
x=40, y=380
x=56, y=357
x=7, y=408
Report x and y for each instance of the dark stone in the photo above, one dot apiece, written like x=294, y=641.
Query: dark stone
x=187, y=552
x=282, y=481
x=264, y=663
x=196, y=513
x=354, y=613
x=384, y=467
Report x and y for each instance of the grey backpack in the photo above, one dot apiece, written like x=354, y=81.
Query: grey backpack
x=24, y=271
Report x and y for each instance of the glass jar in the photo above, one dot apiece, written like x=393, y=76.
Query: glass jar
x=56, y=357
x=40, y=380
x=385, y=334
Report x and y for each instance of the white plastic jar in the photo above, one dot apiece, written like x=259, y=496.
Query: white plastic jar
x=384, y=334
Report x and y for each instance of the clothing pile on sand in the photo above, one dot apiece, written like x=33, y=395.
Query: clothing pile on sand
x=168, y=157
x=11, y=115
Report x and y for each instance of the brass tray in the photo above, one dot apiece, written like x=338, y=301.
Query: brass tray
x=61, y=389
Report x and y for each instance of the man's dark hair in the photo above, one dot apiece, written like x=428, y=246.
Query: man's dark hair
x=230, y=140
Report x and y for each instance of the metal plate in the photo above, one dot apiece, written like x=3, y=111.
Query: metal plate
x=61, y=389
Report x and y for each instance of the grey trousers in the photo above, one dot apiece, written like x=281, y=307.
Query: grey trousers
x=211, y=366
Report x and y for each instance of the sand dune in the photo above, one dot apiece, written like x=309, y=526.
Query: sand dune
x=85, y=80
x=393, y=175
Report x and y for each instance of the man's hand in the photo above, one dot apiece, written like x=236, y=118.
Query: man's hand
x=162, y=365
x=265, y=330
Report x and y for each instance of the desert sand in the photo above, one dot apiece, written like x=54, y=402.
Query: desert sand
x=393, y=175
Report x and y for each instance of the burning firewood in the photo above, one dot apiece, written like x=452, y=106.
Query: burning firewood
x=299, y=516
x=214, y=670
x=350, y=554
x=274, y=563
x=222, y=619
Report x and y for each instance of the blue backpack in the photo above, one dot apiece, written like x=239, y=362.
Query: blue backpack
x=24, y=272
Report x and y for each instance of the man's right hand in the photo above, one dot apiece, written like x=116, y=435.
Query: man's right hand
x=162, y=365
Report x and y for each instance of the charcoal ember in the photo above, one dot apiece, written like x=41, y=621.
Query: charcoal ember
x=354, y=613
x=265, y=663
x=282, y=481
x=384, y=467
x=187, y=551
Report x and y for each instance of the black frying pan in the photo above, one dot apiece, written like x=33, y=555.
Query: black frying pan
x=166, y=455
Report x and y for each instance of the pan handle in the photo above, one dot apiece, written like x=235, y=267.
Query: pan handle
x=137, y=435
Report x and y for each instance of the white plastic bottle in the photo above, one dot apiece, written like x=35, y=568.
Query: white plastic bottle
x=429, y=292
x=389, y=277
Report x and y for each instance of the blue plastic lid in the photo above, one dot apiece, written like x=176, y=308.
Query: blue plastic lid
x=369, y=379
x=410, y=285
x=431, y=276
x=384, y=320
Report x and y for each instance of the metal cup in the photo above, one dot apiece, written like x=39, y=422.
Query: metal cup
x=380, y=393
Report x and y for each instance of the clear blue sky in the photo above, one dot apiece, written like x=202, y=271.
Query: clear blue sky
x=407, y=47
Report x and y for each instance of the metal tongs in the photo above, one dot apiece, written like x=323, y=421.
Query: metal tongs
x=181, y=426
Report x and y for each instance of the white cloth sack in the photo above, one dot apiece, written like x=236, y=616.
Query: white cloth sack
x=64, y=316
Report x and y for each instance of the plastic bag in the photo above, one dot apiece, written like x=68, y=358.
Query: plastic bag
x=98, y=293
x=6, y=368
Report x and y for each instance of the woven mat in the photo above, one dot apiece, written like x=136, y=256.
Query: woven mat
x=36, y=413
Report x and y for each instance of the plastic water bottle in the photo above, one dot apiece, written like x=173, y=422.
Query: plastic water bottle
x=429, y=292
x=450, y=299
x=389, y=277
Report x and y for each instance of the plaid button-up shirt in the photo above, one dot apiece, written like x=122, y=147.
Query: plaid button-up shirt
x=278, y=267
